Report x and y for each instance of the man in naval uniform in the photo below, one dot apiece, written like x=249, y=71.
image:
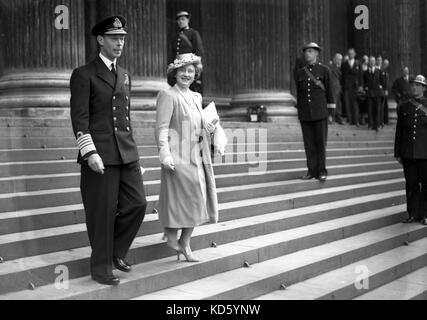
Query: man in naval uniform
x=111, y=182
x=188, y=40
x=315, y=100
x=411, y=151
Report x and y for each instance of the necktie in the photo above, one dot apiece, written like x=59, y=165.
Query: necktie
x=113, y=70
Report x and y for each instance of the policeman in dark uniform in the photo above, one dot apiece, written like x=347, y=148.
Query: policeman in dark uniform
x=188, y=40
x=315, y=96
x=111, y=181
x=410, y=149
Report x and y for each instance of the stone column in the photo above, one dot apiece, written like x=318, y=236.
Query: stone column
x=145, y=55
x=38, y=57
x=260, y=60
x=310, y=22
x=217, y=33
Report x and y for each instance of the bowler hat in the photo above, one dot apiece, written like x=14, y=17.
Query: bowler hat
x=311, y=45
x=110, y=26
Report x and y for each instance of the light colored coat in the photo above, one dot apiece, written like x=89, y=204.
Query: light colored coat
x=181, y=200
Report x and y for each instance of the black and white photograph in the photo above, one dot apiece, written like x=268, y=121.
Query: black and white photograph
x=245, y=152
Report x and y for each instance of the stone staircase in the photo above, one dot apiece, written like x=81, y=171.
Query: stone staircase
x=278, y=237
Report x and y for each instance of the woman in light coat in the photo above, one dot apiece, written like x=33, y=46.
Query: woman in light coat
x=188, y=192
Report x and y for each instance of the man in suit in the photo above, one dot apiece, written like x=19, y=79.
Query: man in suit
x=386, y=78
x=336, y=79
x=401, y=89
x=350, y=75
x=314, y=97
x=111, y=181
x=187, y=40
x=410, y=149
x=373, y=83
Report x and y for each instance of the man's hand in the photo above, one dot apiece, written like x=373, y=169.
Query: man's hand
x=399, y=159
x=95, y=163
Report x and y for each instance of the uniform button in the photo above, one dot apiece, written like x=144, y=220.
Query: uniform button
x=127, y=128
x=114, y=97
x=127, y=118
x=127, y=108
x=115, y=118
x=114, y=108
x=127, y=98
x=115, y=129
x=309, y=100
x=308, y=79
x=308, y=96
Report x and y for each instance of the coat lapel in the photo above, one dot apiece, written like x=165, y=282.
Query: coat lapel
x=103, y=72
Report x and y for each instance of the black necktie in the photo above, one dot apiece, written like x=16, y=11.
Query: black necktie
x=113, y=70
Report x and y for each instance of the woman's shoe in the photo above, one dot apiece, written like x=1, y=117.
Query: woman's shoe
x=188, y=254
x=424, y=221
x=173, y=244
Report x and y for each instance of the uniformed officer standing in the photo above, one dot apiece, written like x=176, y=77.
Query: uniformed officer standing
x=188, y=40
x=410, y=149
x=315, y=96
x=111, y=181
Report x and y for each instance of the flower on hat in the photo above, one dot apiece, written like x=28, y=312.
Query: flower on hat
x=184, y=60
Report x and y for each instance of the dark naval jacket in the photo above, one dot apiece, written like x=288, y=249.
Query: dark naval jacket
x=411, y=130
x=100, y=106
x=312, y=100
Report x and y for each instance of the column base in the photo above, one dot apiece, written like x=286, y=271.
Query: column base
x=48, y=89
x=280, y=106
x=144, y=93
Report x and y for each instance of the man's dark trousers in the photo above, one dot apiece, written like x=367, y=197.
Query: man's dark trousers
x=315, y=134
x=416, y=187
x=374, y=112
x=115, y=207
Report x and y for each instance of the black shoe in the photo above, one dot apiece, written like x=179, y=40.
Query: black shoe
x=409, y=220
x=122, y=264
x=423, y=221
x=108, y=280
x=308, y=176
x=323, y=177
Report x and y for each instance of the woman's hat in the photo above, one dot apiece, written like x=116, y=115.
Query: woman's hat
x=110, y=26
x=184, y=60
x=311, y=45
x=420, y=79
x=183, y=14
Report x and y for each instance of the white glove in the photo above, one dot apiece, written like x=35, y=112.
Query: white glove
x=169, y=164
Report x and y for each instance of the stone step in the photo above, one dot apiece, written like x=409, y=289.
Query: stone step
x=28, y=183
x=34, y=242
x=58, y=216
x=252, y=159
x=66, y=196
x=154, y=275
x=70, y=153
x=268, y=275
x=412, y=286
x=148, y=138
x=363, y=277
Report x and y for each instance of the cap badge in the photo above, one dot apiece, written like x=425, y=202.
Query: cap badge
x=117, y=23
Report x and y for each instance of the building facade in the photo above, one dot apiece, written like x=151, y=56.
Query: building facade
x=251, y=46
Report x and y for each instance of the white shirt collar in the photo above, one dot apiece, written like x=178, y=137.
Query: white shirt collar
x=108, y=62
